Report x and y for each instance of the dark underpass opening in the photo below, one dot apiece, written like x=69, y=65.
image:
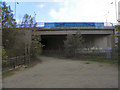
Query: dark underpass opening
x=53, y=44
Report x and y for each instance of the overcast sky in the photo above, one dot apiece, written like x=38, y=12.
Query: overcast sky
x=66, y=10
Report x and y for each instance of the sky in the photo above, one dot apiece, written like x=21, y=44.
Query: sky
x=66, y=10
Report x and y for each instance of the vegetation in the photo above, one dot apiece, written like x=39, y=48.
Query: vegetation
x=13, y=42
x=72, y=43
x=7, y=17
x=12, y=39
x=28, y=21
x=10, y=73
x=118, y=36
x=110, y=61
x=18, y=41
x=35, y=45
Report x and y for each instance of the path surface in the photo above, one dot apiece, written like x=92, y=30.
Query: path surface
x=60, y=73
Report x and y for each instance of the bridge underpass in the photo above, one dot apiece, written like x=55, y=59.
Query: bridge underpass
x=95, y=37
x=53, y=42
x=56, y=42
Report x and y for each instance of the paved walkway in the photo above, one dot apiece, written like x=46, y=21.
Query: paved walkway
x=60, y=73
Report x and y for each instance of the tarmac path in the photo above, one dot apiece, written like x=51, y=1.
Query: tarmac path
x=60, y=73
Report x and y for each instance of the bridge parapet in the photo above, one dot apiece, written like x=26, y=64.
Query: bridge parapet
x=73, y=30
x=69, y=28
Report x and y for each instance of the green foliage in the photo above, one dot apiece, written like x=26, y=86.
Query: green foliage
x=36, y=45
x=97, y=60
x=68, y=45
x=13, y=42
x=7, y=17
x=118, y=34
x=72, y=43
x=4, y=55
x=8, y=35
x=78, y=41
x=10, y=73
x=16, y=42
x=28, y=21
x=12, y=39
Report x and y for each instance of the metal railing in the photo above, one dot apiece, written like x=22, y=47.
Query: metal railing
x=15, y=62
x=103, y=54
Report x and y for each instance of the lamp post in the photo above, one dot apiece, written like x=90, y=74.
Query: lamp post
x=115, y=32
x=15, y=8
x=116, y=10
x=106, y=18
x=119, y=13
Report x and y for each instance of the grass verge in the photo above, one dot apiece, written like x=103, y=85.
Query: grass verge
x=97, y=60
x=4, y=75
x=34, y=63
x=109, y=61
x=10, y=73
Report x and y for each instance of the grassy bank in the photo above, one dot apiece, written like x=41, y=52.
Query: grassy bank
x=4, y=75
x=97, y=60
x=10, y=73
x=101, y=60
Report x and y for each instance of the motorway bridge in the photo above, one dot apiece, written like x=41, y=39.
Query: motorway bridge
x=97, y=37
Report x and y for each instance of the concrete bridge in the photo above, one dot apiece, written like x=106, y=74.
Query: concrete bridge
x=95, y=37
x=73, y=30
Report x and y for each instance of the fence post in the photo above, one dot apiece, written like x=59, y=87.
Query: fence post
x=13, y=63
x=24, y=60
x=16, y=61
x=10, y=62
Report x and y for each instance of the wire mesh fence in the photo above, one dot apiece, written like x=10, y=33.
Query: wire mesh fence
x=102, y=54
x=15, y=62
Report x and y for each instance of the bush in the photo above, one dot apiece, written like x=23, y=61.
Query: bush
x=72, y=43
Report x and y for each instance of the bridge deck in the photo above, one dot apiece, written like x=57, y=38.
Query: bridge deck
x=73, y=30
